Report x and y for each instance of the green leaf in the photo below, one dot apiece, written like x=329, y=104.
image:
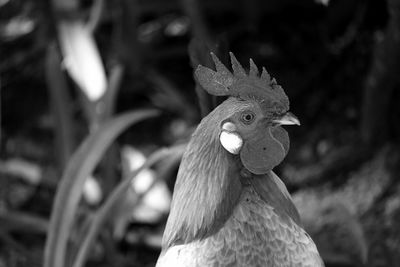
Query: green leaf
x=78, y=169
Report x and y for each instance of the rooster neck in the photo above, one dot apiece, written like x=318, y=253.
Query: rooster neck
x=207, y=189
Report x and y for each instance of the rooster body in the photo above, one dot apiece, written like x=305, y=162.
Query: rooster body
x=243, y=241
x=228, y=207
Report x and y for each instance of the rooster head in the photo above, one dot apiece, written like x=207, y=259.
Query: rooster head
x=243, y=131
x=253, y=128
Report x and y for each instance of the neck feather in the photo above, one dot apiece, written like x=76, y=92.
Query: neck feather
x=207, y=187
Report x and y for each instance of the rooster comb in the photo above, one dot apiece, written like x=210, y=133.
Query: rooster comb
x=238, y=83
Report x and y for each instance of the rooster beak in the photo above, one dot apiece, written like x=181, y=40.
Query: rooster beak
x=287, y=119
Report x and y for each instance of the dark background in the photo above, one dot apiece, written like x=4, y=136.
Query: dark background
x=337, y=60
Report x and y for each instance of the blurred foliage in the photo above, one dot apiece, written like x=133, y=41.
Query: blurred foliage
x=336, y=60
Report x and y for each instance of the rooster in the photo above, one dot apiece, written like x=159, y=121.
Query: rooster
x=229, y=208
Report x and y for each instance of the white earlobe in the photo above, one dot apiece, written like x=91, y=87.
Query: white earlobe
x=231, y=141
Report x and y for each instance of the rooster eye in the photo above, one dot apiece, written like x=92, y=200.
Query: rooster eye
x=247, y=117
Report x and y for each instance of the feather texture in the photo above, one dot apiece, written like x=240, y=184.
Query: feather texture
x=245, y=241
x=208, y=184
x=228, y=207
x=224, y=215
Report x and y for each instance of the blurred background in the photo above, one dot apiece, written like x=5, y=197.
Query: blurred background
x=71, y=70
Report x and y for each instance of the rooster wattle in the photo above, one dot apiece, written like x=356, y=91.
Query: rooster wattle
x=228, y=207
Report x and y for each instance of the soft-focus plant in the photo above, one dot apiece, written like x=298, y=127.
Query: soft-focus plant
x=78, y=54
x=69, y=191
x=106, y=209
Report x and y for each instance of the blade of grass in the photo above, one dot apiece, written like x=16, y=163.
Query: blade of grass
x=104, y=111
x=60, y=103
x=194, y=10
x=109, y=98
x=129, y=51
x=22, y=222
x=95, y=15
x=120, y=190
x=69, y=191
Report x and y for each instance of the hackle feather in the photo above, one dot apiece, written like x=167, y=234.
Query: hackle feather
x=208, y=185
